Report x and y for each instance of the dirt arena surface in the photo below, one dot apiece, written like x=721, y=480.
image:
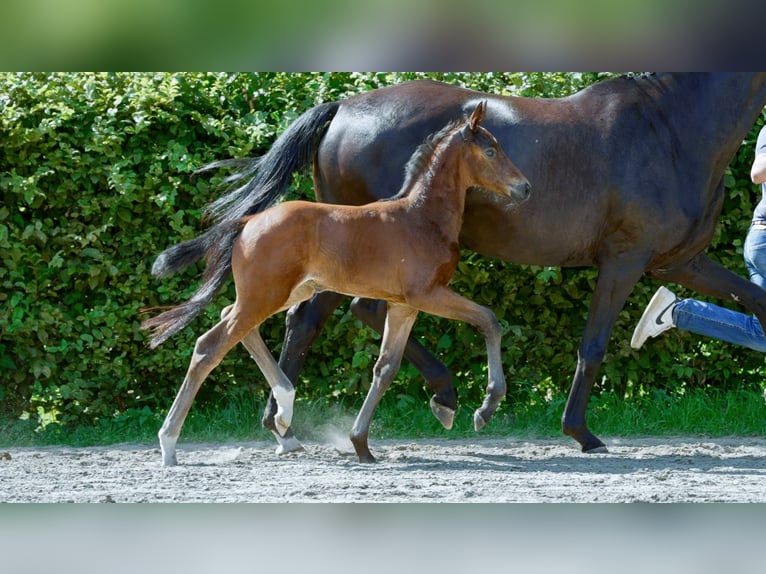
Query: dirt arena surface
x=475, y=470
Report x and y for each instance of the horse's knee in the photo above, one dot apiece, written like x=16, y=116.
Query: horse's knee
x=205, y=353
x=589, y=359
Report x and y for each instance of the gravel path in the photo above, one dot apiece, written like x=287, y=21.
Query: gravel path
x=476, y=470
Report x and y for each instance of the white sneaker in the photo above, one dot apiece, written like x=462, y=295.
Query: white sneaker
x=657, y=318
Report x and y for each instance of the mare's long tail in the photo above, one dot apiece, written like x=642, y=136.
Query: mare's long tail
x=268, y=177
x=261, y=182
x=217, y=245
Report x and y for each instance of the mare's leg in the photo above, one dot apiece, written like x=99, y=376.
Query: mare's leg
x=446, y=303
x=615, y=281
x=437, y=376
x=281, y=388
x=303, y=324
x=707, y=277
x=399, y=321
x=209, y=350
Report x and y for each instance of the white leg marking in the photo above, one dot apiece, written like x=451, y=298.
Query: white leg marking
x=168, y=446
x=284, y=416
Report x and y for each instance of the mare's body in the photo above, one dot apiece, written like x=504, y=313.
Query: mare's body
x=628, y=177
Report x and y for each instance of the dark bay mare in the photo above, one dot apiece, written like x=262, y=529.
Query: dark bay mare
x=404, y=251
x=628, y=177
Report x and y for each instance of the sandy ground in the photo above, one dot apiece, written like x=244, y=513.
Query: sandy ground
x=476, y=470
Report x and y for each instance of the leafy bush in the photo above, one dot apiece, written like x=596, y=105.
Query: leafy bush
x=97, y=178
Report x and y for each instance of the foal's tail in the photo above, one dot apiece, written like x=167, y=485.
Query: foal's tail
x=216, y=244
x=267, y=178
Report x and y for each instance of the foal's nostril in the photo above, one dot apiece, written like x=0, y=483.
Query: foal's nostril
x=521, y=192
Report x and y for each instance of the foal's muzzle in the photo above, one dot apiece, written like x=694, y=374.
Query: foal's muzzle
x=520, y=191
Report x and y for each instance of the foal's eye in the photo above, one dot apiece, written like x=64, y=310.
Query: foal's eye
x=489, y=152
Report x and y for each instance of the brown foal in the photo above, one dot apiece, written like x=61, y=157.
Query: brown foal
x=404, y=250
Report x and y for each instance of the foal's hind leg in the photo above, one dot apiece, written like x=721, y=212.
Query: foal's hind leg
x=399, y=321
x=446, y=303
x=209, y=350
x=282, y=389
x=303, y=324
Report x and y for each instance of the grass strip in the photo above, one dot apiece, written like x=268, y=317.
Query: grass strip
x=710, y=414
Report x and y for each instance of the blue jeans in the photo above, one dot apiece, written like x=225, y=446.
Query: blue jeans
x=724, y=324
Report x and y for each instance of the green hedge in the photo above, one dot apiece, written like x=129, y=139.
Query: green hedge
x=96, y=178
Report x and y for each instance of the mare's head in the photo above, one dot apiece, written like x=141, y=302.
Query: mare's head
x=485, y=164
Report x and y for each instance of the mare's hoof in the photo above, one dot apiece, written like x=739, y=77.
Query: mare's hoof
x=589, y=443
x=445, y=415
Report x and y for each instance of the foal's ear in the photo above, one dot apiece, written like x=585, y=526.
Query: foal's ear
x=478, y=115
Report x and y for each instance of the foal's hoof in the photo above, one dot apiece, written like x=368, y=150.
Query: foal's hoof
x=287, y=444
x=478, y=421
x=288, y=448
x=367, y=458
x=445, y=415
x=169, y=458
x=601, y=449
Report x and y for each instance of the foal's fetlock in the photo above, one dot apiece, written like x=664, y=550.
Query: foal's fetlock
x=284, y=414
x=168, y=448
x=283, y=418
x=484, y=413
x=478, y=420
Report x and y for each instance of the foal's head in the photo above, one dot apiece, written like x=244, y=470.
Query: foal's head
x=485, y=164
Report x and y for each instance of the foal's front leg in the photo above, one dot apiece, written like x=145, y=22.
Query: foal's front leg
x=399, y=321
x=281, y=388
x=437, y=376
x=444, y=302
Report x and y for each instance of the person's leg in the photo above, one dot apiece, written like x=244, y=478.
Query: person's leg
x=755, y=254
x=706, y=318
x=719, y=323
x=666, y=311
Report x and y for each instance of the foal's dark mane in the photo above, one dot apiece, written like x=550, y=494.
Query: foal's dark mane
x=422, y=159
